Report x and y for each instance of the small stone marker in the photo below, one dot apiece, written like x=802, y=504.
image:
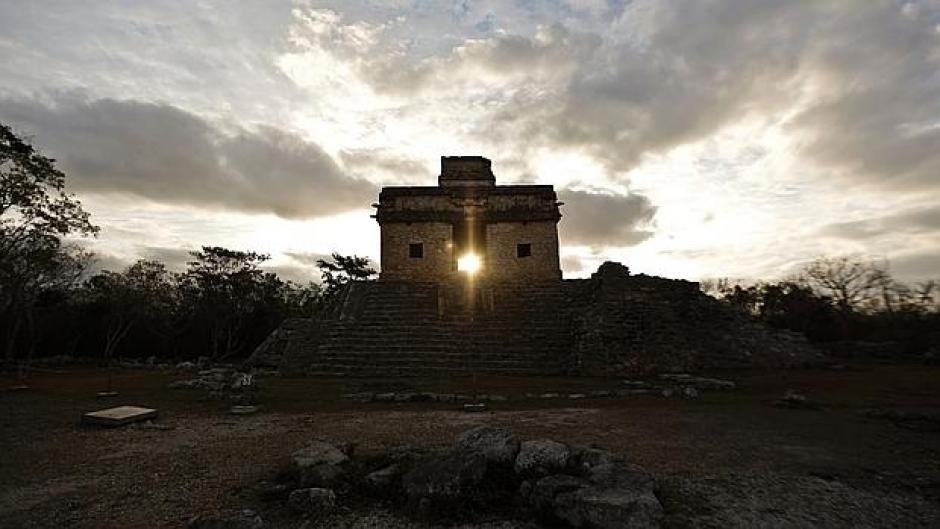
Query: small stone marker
x=119, y=416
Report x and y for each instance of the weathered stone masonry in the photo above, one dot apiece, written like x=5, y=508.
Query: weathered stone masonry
x=512, y=229
x=613, y=324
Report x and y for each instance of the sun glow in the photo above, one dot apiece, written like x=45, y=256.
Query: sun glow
x=468, y=263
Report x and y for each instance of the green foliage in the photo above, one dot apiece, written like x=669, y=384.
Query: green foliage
x=35, y=213
x=842, y=299
x=341, y=269
x=225, y=287
x=222, y=305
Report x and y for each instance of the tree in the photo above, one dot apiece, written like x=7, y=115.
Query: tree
x=342, y=269
x=225, y=286
x=850, y=282
x=35, y=271
x=126, y=298
x=35, y=213
x=301, y=300
x=785, y=304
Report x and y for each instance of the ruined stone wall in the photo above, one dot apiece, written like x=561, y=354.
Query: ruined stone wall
x=638, y=324
x=437, y=262
x=502, y=261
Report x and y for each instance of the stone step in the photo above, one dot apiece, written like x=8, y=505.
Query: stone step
x=346, y=370
x=456, y=350
x=409, y=331
x=432, y=360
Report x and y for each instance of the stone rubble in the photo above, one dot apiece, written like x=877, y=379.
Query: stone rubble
x=319, y=464
x=541, y=457
x=230, y=519
x=222, y=382
x=498, y=445
x=486, y=470
x=313, y=500
x=673, y=385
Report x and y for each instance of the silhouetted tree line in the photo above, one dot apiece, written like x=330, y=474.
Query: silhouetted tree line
x=223, y=304
x=51, y=303
x=843, y=299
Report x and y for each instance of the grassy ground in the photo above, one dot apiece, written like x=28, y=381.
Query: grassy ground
x=726, y=459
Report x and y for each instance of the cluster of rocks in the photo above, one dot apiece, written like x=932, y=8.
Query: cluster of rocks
x=486, y=471
x=153, y=362
x=668, y=385
x=223, y=382
x=423, y=396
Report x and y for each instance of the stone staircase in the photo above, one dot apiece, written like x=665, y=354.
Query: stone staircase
x=614, y=324
x=395, y=329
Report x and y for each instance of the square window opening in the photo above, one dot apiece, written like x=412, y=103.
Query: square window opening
x=523, y=250
x=416, y=250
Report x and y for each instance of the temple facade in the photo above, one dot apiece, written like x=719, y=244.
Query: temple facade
x=468, y=225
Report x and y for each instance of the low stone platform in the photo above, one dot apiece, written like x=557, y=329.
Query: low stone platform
x=119, y=416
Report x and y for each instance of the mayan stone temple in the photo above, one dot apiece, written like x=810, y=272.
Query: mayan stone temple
x=467, y=223
x=470, y=282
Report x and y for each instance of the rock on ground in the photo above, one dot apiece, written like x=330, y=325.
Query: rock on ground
x=607, y=496
x=497, y=444
x=541, y=457
x=312, y=500
x=384, y=478
x=319, y=464
x=441, y=480
x=238, y=519
x=609, y=508
x=583, y=459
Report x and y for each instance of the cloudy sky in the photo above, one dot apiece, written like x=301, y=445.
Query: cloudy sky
x=687, y=138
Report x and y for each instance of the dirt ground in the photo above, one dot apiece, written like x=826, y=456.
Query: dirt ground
x=725, y=459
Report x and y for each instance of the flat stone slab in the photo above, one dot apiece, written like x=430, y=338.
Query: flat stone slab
x=244, y=410
x=119, y=416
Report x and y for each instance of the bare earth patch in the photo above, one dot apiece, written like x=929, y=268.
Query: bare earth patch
x=725, y=459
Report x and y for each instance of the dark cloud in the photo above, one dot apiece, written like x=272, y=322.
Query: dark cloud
x=604, y=220
x=691, y=68
x=385, y=162
x=924, y=220
x=877, y=118
x=917, y=266
x=857, y=229
x=703, y=65
x=857, y=83
x=166, y=154
x=174, y=258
